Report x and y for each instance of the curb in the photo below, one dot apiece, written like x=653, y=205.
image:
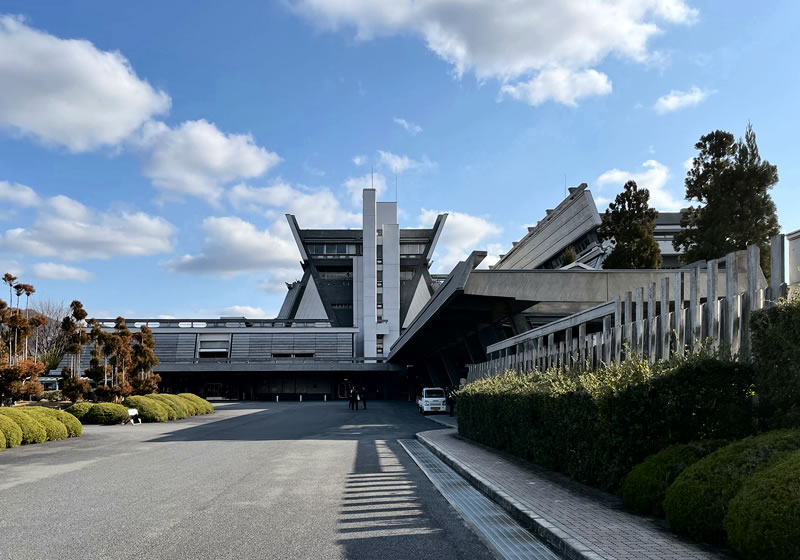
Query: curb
x=442, y=422
x=544, y=529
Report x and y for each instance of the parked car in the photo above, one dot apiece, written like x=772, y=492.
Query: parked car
x=433, y=400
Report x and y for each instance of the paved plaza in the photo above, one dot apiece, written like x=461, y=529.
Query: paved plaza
x=254, y=480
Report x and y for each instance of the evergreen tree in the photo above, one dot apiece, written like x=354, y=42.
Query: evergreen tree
x=630, y=222
x=731, y=182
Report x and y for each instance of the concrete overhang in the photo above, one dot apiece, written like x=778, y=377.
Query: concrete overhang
x=275, y=367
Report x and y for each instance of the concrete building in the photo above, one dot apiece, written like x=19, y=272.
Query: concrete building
x=360, y=288
x=574, y=223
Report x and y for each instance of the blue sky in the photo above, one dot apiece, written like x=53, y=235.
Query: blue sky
x=148, y=152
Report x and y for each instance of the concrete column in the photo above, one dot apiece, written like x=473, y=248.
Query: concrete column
x=794, y=259
x=368, y=273
x=391, y=283
x=358, y=304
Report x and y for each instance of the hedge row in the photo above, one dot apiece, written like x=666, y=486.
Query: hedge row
x=596, y=425
x=152, y=408
x=35, y=424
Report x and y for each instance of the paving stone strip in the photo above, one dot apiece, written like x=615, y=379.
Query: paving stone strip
x=581, y=522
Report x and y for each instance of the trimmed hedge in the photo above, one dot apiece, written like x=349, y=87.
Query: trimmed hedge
x=596, y=425
x=193, y=409
x=56, y=431
x=12, y=434
x=180, y=409
x=697, y=501
x=776, y=355
x=106, y=413
x=645, y=487
x=32, y=429
x=150, y=410
x=79, y=410
x=171, y=414
x=204, y=407
x=72, y=424
x=763, y=520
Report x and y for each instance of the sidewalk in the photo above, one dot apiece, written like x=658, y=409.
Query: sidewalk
x=579, y=521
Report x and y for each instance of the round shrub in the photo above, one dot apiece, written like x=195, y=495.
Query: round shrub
x=171, y=414
x=646, y=485
x=763, y=519
x=2, y=443
x=56, y=431
x=193, y=409
x=150, y=410
x=32, y=429
x=180, y=410
x=203, y=405
x=697, y=501
x=12, y=434
x=72, y=424
x=79, y=410
x=106, y=413
x=180, y=403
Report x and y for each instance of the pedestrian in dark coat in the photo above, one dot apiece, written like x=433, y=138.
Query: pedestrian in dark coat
x=363, y=398
x=352, y=404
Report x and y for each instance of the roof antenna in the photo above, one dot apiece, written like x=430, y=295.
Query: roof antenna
x=395, y=185
x=372, y=175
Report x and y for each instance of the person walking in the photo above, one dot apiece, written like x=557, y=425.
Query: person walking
x=363, y=398
x=352, y=403
x=356, y=397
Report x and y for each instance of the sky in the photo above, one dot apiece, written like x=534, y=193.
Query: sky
x=150, y=150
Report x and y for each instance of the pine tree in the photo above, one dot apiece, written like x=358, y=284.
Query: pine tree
x=731, y=182
x=630, y=222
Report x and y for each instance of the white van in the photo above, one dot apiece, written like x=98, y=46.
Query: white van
x=433, y=400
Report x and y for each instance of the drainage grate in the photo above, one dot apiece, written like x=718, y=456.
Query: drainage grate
x=489, y=520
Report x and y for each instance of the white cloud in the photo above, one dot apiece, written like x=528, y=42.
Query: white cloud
x=676, y=100
x=688, y=164
x=12, y=267
x=247, y=311
x=68, y=92
x=66, y=228
x=233, y=246
x=400, y=163
x=360, y=160
x=536, y=49
x=55, y=271
x=318, y=207
x=561, y=85
x=355, y=185
x=412, y=128
x=463, y=233
x=653, y=178
x=197, y=159
x=19, y=195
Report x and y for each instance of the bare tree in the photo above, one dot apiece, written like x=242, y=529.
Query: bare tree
x=51, y=344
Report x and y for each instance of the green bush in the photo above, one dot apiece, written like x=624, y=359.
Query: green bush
x=32, y=429
x=52, y=396
x=697, y=501
x=150, y=410
x=191, y=406
x=183, y=404
x=106, y=413
x=776, y=355
x=644, y=488
x=203, y=405
x=56, y=431
x=763, y=520
x=72, y=424
x=596, y=425
x=178, y=408
x=2, y=443
x=12, y=434
x=80, y=409
x=171, y=414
